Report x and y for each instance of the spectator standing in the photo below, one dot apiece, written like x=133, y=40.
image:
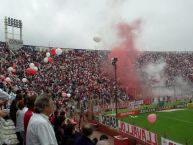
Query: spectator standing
x=40, y=130
x=69, y=135
x=59, y=127
x=14, y=108
x=19, y=122
x=28, y=114
x=84, y=139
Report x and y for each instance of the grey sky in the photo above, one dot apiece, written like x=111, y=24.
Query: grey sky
x=166, y=24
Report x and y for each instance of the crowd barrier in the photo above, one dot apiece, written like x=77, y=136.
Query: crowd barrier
x=129, y=134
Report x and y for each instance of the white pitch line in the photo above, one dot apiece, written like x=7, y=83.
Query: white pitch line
x=177, y=119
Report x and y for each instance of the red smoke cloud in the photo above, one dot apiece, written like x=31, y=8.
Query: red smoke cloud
x=126, y=53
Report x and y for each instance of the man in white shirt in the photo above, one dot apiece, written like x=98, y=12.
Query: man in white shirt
x=40, y=130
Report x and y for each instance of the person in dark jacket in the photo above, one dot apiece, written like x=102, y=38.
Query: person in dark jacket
x=59, y=127
x=69, y=135
x=14, y=108
x=84, y=138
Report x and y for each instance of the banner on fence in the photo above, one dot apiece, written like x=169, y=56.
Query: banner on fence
x=124, y=114
x=165, y=141
x=190, y=105
x=181, y=106
x=137, y=132
x=109, y=121
x=113, y=105
x=135, y=104
x=148, y=110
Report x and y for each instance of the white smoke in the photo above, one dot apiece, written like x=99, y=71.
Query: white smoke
x=154, y=76
x=182, y=87
x=154, y=73
x=111, y=16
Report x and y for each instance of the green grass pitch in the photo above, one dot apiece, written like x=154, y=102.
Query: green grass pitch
x=176, y=125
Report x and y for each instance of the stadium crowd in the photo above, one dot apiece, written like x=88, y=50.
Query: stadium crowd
x=35, y=124
x=75, y=72
x=72, y=77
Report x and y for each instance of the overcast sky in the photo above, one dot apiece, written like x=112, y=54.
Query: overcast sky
x=165, y=24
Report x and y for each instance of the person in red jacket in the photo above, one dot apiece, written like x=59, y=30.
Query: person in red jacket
x=29, y=113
